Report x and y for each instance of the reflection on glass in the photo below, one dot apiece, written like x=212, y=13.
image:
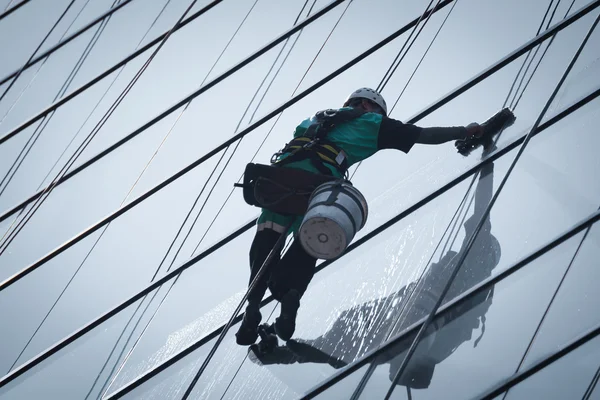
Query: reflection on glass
x=443, y=359
x=567, y=378
x=552, y=187
x=168, y=384
x=377, y=320
x=400, y=254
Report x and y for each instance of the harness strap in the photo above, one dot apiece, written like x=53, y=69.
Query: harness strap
x=314, y=146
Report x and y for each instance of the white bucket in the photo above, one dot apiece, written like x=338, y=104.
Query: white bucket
x=336, y=211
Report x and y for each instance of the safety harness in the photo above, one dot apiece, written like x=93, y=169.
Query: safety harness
x=314, y=146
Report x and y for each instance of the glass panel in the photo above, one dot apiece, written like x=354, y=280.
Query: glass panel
x=566, y=378
x=574, y=309
x=29, y=24
x=584, y=77
x=79, y=365
x=95, y=275
x=345, y=390
x=469, y=348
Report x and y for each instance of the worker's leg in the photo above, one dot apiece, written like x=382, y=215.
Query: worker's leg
x=289, y=281
x=264, y=241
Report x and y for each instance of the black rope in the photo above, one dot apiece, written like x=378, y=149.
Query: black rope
x=280, y=114
x=540, y=60
x=8, y=11
x=184, y=101
x=392, y=70
x=82, y=331
x=592, y=386
x=161, y=263
x=63, y=42
x=389, y=71
x=239, y=368
x=549, y=306
x=46, y=120
x=251, y=118
x=425, y=15
x=276, y=248
x=530, y=63
x=18, y=74
x=29, y=214
x=303, y=77
x=471, y=240
x=424, y=55
x=9, y=109
x=97, y=240
x=529, y=53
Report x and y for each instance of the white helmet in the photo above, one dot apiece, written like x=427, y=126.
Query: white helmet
x=369, y=94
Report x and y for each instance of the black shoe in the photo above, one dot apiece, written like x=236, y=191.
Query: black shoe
x=285, y=324
x=248, y=333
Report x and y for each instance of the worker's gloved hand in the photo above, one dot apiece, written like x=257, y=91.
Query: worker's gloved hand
x=483, y=135
x=474, y=130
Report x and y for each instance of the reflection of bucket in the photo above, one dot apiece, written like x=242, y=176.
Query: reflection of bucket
x=336, y=211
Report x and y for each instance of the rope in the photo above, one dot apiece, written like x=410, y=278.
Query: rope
x=37, y=49
x=391, y=70
x=540, y=60
x=97, y=240
x=280, y=114
x=592, y=386
x=278, y=245
x=40, y=128
x=64, y=42
x=155, y=274
x=424, y=55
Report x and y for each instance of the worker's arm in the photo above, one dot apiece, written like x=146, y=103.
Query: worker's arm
x=442, y=135
x=394, y=134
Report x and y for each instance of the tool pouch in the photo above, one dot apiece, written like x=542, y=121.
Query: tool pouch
x=282, y=190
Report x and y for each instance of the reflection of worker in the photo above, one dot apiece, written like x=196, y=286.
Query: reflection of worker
x=346, y=136
x=357, y=325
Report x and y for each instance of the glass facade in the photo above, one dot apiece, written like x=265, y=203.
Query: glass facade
x=523, y=293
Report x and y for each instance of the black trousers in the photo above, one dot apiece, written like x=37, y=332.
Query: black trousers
x=294, y=271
